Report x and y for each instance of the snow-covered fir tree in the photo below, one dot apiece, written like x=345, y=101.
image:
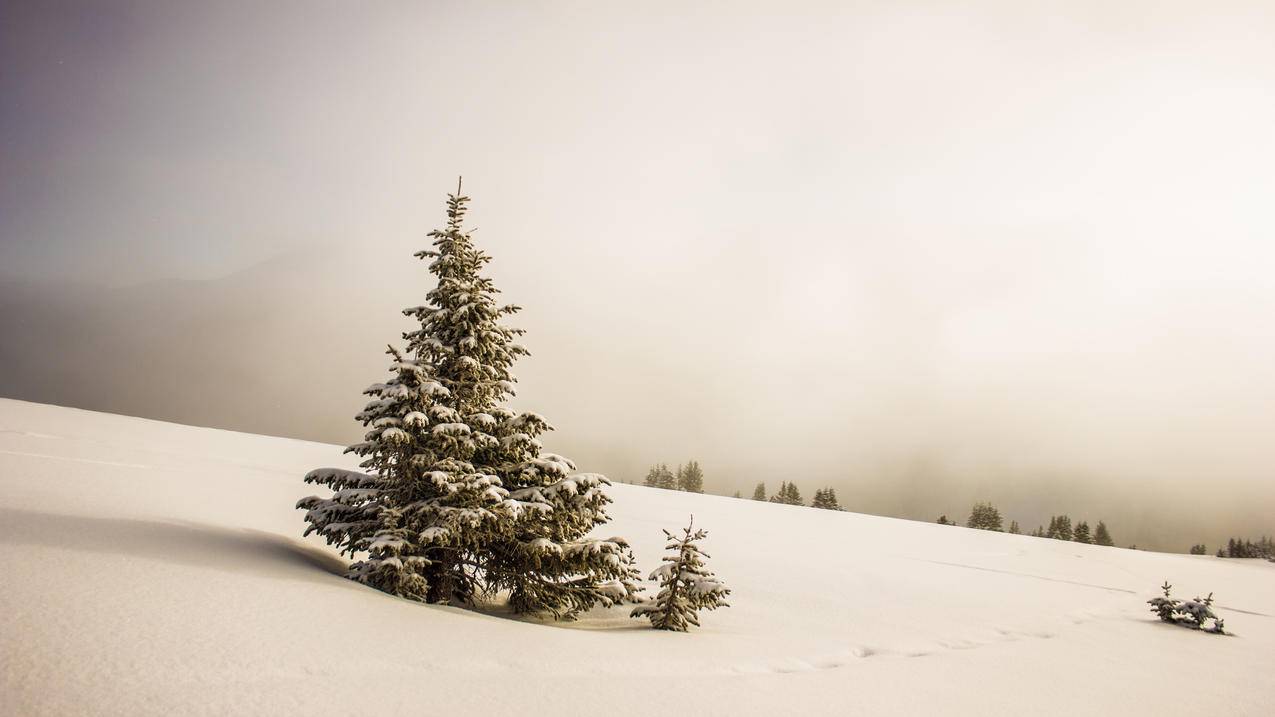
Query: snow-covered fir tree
x=1101, y=536
x=944, y=521
x=825, y=498
x=1192, y=613
x=686, y=584
x=690, y=478
x=759, y=493
x=1013, y=527
x=458, y=497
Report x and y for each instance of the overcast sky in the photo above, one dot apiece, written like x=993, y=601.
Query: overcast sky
x=802, y=239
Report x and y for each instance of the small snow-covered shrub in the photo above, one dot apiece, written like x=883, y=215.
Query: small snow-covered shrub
x=686, y=585
x=1192, y=613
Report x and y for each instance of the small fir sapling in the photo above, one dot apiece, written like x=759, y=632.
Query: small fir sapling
x=1165, y=605
x=1192, y=613
x=686, y=585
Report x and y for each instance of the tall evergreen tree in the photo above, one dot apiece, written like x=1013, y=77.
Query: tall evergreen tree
x=458, y=497
x=686, y=585
x=1013, y=527
x=1101, y=536
x=691, y=478
x=759, y=493
x=826, y=498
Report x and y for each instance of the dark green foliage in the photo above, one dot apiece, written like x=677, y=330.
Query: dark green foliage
x=944, y=521
x=1013, y=527
x=984, y=516
x=686, y=585
x=759, y=493
x=826, y=498
x=1199, y=549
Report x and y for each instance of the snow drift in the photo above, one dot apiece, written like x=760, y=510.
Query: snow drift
x=154, y=568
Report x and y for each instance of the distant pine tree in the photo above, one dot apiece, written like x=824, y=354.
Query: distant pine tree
x=686, y=585
x=826, y=498
x=737, y=495
x=787, y=495
x=944, y=521
x=984, y=516
x=791, y=495
x=759, y=493
x=1081, y=533
x=1013, y=527
x=1101, y=536
x=690, y=478
x=1199, y=549
x=1059, y=528
x=660, y=477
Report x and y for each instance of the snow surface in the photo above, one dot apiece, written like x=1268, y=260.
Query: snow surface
x=152, y=568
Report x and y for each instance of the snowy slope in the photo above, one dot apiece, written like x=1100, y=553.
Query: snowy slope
x=153, y=568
